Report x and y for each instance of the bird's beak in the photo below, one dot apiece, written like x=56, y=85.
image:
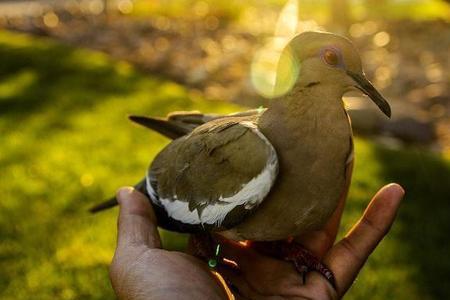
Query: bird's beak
x=365, y=86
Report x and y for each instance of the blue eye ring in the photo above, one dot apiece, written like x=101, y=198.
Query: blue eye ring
x=332, y=57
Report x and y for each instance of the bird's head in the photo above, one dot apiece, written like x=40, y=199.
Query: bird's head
x=328, y=59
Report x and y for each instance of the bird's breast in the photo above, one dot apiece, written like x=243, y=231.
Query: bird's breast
x=313, y=157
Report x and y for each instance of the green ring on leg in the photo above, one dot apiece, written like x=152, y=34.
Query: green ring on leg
x=212, y=263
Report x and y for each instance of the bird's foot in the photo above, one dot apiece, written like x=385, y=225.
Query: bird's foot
x=204, y=247
x=303, y=260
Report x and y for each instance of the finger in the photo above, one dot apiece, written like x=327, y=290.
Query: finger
x=348, y=256
x=237, y=252
x=238, y=284
x=137, y=221
x=264, y=274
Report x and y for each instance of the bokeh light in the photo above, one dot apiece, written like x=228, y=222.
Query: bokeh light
x=266, y=62
x=72, y=70
x=50, y=19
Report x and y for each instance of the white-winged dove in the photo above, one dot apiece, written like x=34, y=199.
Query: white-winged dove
x=267, y=174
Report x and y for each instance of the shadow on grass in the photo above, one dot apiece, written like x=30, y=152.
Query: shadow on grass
x=66, y=144
x=73, y=81
x=421, y=232
x=42, y=86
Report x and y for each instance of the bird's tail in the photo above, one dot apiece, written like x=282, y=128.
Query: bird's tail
x=104, y=205
x=113, y=201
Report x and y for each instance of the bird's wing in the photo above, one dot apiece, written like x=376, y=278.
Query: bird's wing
x=216, y=175
x=180, y=123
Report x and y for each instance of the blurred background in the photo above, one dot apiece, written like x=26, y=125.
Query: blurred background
x=70, y=72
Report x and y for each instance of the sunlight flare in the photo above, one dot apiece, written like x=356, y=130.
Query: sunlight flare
x=266, y=60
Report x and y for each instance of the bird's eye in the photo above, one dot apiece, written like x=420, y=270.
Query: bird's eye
x=330, y=57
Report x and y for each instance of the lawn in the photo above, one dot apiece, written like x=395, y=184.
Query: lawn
x=66, y=144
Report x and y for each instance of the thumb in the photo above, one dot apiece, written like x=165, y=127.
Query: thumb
x=137, y=224
x=348, y=256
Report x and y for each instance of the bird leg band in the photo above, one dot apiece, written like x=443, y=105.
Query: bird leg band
x=206, y=248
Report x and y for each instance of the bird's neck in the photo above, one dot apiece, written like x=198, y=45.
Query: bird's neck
x=306, y=119
x=310, y=102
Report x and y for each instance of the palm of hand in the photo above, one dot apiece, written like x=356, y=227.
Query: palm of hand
x=262, y=277
x=161, y=274
x=141, y=270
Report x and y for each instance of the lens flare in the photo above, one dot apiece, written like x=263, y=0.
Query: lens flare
x=288, y=20
x=267, y=61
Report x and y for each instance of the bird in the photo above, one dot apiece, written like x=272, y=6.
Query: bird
x=266, y=174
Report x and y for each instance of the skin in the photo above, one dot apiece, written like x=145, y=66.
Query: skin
x=142, y=270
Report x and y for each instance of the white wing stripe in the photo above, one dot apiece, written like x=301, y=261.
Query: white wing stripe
x=151, y=192
x=251, y=194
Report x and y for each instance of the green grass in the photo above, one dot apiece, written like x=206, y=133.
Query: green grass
x=412, y=262
x=65, y=144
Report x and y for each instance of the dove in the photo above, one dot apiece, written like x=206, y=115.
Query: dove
x=266, y=174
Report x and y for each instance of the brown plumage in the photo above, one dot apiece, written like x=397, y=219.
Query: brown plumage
x=217, y=173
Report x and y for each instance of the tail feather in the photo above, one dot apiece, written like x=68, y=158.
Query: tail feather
x=167, y=128
x=104, y=205
x=113, y=201
x=174, y=126
x=180, y=123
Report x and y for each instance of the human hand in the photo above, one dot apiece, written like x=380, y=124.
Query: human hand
x=262, y=277
x=142, y=270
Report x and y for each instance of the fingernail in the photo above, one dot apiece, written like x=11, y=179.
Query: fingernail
x=399, y=190
x=124, y=193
